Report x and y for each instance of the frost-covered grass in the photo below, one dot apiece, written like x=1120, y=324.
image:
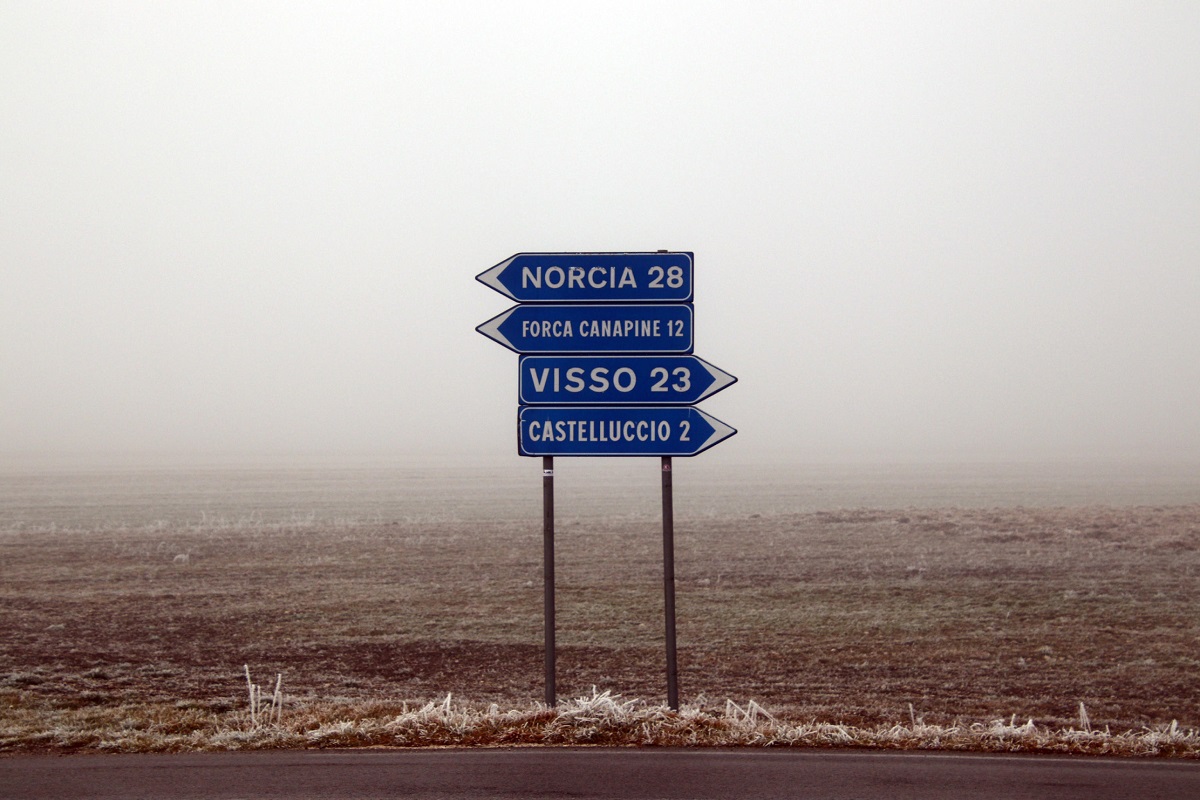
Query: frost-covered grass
x=598, y=719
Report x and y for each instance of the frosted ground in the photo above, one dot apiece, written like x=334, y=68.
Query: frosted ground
x=939, y=599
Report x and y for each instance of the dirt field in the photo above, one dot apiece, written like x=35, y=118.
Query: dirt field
x=859, y=617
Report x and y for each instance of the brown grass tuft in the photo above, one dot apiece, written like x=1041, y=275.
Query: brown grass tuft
x=599, y=719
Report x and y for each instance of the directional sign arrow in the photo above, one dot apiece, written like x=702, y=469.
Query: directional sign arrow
x=645, y=328
x=624, y=380
x=608, y=431
x=593, y=277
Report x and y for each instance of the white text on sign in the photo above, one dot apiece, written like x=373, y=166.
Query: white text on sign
x=622, y=379
x=590, y=430
x=563, y=328
x=598, y=277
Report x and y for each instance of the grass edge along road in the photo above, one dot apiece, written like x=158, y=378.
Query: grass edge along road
x=599, y=720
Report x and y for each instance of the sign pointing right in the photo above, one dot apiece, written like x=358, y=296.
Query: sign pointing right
x=619, y=380
x=622, y=431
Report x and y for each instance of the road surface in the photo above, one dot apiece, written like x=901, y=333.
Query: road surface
x=594, y=773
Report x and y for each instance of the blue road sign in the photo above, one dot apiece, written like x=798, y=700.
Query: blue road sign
x=593, y=277
x=645, y=328
x=608, y=431
x=619, y=380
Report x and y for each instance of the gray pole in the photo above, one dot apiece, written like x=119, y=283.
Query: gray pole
x=548, y=572
x=669, y=582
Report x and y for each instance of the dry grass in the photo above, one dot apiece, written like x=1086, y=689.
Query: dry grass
x=600, y=719
x=909, y=628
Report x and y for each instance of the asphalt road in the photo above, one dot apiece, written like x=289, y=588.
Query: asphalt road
x=594, y=773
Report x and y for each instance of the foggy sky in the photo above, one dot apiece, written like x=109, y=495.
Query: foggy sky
x=922, y=230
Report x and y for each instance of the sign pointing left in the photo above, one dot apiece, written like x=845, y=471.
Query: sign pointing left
x=593, y=277
x=599, y=328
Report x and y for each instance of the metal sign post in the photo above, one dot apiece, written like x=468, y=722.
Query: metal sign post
x=668, y=505
x=548, y=573
x=606, y=369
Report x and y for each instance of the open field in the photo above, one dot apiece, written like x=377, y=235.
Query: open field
x=855, y=616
